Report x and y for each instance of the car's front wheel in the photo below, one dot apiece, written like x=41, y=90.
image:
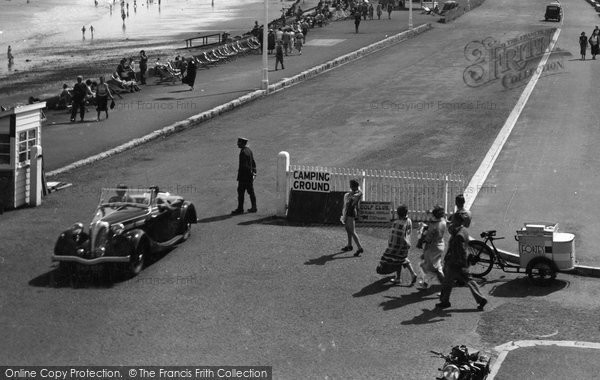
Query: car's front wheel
x=187, y=231
x=136, y=264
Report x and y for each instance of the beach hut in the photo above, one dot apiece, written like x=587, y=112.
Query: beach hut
x=20, y=156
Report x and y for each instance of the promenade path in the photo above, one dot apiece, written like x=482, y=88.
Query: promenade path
x=160, y=104
x=252, y=290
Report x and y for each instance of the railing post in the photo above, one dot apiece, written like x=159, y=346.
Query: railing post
x=364, y=184
x=283, y=166
x=446, y=194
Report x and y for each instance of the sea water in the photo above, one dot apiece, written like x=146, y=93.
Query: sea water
x=38, y=29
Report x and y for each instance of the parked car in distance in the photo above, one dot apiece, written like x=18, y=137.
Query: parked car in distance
x=128, y=226
x=553, y=12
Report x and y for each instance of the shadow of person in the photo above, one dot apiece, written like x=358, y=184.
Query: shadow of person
x=377, y=287
x=327, y=258
x=435, y=315
x=394, y=302
x=522, y=287
x=215, y=218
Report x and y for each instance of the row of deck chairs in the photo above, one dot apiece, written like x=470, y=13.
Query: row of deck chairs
x=227, y=52
x=168, y=72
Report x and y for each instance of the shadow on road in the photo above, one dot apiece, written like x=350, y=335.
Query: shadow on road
x=100, y=276
x=407, y=299
x=215, y=218
x=377, y=287
x=521, y=287
x=327, y=258
x=435, y=315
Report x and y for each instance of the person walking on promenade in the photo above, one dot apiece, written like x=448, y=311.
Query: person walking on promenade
x=143, y=66
x=583, y=45
x=80, y=92
x=595, y=43
x=245, y=177
x=356, y=20
x=395, y=256
x=379, y=11
x=298, y=41
x=349, y=215
x=279, y=55
x=83, y=32
x=456, y=264
x=9, y=55
x=304, y=26
x=459, y=201
x=433, y=240
x=271, y=41
x=92, y=31
x=371, y=10
x=190, y=73
x=102, y=95
x=390, y=8
x=286, y=41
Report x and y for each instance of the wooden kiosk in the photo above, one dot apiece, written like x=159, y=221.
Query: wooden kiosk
x=20, y=156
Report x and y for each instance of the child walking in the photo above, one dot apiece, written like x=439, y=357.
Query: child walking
x=395, y=256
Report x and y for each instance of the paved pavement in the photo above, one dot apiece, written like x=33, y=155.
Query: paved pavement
x=252, y=290
x=158, y=105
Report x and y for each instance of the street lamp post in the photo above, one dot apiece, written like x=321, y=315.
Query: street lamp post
x=410, y=21
x=265, y=43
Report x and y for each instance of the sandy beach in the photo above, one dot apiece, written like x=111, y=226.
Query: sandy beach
x=49, y=48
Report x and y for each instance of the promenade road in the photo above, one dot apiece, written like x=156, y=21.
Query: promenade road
x=548, y=168
x=253, y=290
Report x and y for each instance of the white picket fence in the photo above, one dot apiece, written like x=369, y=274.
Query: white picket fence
x=420, y=191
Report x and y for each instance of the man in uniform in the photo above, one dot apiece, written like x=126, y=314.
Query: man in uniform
x=456, y=263
x=245, y=177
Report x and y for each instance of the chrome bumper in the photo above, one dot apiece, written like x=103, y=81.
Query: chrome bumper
x=97, y=260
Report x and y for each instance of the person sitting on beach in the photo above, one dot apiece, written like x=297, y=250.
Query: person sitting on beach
x=115, y=83
x=64, y=98
x=124, y=70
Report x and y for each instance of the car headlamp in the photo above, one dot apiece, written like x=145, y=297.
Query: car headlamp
x=117, y=228
x=77, y=228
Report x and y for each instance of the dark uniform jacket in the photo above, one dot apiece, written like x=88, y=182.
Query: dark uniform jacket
x=456, y=257
x=247, y=167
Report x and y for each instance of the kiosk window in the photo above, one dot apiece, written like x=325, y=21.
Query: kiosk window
x=27, y=139
x=4, y=149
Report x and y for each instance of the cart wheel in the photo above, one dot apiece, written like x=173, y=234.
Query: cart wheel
x=541, y=272
x=481, y=258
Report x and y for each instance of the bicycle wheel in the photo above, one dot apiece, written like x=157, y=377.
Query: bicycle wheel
x=481, y=258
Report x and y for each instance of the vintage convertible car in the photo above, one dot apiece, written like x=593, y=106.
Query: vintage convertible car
x=128, y=225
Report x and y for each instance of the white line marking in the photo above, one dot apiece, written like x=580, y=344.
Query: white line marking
x=490, y=158
x=505, y=348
